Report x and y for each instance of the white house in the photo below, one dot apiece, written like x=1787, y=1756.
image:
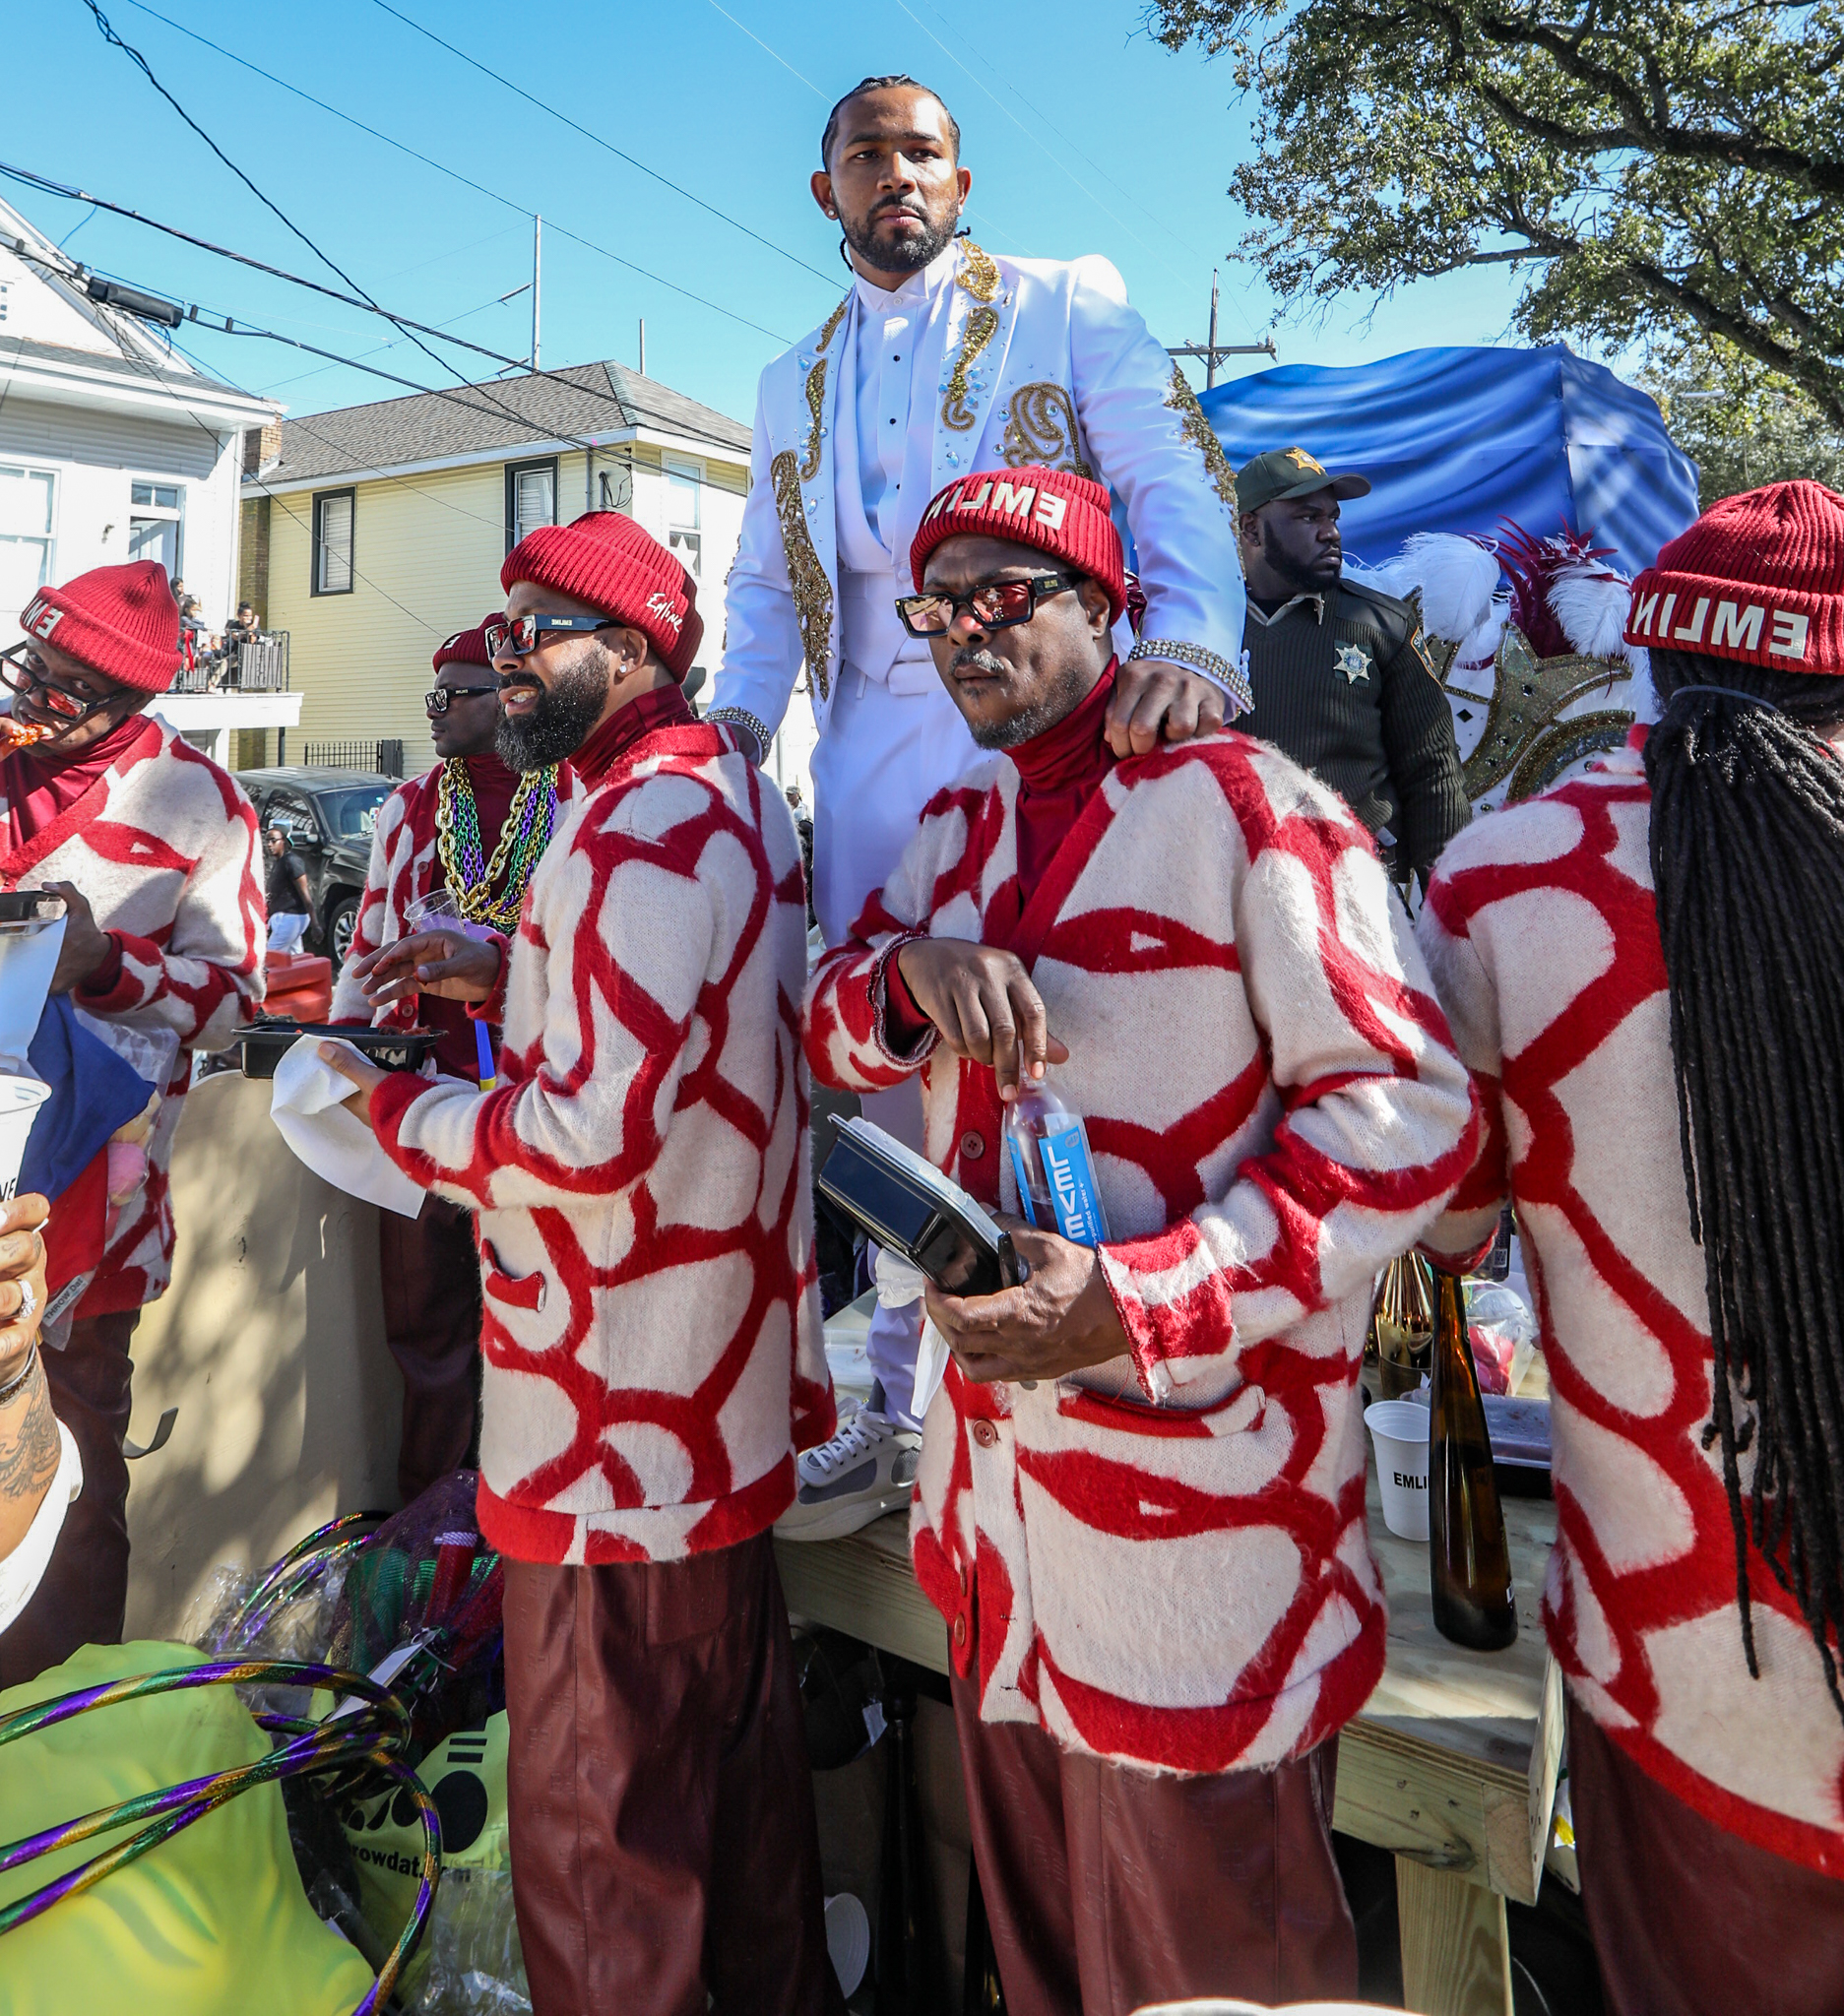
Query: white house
x=113, y=448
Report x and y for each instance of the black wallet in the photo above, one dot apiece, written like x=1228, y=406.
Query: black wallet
x=907, y=1205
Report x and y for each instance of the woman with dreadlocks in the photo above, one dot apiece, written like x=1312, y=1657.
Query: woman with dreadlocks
x=1644, y=969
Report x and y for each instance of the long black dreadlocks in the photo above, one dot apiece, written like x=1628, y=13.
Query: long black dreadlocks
x=1747, y=858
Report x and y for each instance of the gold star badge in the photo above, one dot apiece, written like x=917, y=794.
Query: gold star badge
x=1354, y=661
x=1302, y=460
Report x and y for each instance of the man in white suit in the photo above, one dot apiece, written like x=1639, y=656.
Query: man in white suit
x=944, y=358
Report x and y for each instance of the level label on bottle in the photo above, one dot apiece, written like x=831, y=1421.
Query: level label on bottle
x=1072, y=1178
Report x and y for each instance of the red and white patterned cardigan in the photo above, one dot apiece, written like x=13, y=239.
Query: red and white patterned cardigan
x=1275, y=1110
x=403, y=871
x=1541, y=933
x=163, y=848
x=642, y=1173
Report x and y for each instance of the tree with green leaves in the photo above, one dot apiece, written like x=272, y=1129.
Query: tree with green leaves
x=1664, y=172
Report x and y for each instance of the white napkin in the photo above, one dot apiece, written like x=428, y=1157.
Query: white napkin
x=28, y=962
x=306, y=1102
x=899, y=1285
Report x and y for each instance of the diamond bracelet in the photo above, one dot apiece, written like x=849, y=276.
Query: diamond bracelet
x=1218, y=669
x=741, y=717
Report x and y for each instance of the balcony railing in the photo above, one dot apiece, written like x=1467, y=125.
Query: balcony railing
x=260, y=666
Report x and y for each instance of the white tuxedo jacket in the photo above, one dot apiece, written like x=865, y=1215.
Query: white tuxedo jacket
x=1032, y=360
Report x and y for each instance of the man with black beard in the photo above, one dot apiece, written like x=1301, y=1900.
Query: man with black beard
x=1341, y=678
x=651, y=1338
x=941, y=359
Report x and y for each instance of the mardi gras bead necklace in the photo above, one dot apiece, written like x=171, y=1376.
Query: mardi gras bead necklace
x=530, y=823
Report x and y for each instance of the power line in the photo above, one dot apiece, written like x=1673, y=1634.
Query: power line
x=32, y=180
x=776, y=53
x=140, y=62
x=441, y=168
x=589, y=134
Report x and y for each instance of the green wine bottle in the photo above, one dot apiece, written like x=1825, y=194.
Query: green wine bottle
x=1469, y=1565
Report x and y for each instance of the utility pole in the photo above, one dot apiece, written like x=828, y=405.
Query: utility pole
x=643, y=345
x=1213, y=349
x=538, y=254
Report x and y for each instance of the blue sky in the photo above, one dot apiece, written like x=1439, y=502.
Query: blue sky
x=1083, y=136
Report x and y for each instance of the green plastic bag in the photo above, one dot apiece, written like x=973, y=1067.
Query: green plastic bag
x=212, y=1923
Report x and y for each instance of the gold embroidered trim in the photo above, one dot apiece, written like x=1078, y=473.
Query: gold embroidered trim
x=816, y=393
x=1203, y=437
x=1528, y=695
x=812, y=591
x=1043, y=429
x=979, y=276
x=815, y=405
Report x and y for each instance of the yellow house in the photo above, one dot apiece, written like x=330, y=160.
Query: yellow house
x=372, y=533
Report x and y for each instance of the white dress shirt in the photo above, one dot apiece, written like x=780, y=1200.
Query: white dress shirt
x=875, y=425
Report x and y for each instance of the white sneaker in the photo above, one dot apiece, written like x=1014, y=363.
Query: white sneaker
x=866, y=1470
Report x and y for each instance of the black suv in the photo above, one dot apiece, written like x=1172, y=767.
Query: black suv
x=329, y=815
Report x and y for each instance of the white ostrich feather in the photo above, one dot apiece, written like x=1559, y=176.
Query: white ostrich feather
x=1456, y=577
x=1590, y=602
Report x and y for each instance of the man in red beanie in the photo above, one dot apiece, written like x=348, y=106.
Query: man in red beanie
x=1141, y=1499
x=154, y=850
x=1645, y=970
x=475, y=829
x=652, y=1333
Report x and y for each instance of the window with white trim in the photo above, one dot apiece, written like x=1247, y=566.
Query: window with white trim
x=28, y=498
x=684, y=488
x=155, y=513
x=530, y=498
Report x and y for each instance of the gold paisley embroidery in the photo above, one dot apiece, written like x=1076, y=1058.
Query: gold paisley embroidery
x=812, y=591
x=1043, y=429
x=979, y=276
x=1203, y=437
x=816, y=393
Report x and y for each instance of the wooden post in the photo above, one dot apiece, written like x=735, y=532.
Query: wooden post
x=1456, y=1950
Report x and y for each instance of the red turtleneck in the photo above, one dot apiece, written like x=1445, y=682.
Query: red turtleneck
x=1058, y=772
x=41, y=787
x=663, y=707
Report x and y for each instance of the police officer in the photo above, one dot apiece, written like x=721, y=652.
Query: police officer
x=1341, y=678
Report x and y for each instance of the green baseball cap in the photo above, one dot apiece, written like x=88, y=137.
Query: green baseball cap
x=1292, y=473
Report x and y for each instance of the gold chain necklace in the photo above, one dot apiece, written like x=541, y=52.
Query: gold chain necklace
x=529, y=821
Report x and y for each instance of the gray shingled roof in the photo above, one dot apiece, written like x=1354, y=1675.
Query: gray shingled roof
x=585, y=400
x=177, y=372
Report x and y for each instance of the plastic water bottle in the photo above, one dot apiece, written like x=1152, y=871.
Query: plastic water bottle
x=1049, y=1152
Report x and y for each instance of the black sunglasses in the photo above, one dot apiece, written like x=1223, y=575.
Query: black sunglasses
x=520, y=634
x=437, y=698
x=993, y=604
x=23, y=671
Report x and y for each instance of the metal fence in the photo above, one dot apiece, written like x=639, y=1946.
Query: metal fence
x=385, y=757
x=259, y=667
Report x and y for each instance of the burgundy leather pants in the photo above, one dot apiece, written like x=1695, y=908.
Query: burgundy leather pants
x=431, y=1274
x=1689, y=1920
x=1106, y=1888
x=663, y=1844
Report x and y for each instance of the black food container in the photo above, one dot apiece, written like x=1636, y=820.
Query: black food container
x=266, y=1040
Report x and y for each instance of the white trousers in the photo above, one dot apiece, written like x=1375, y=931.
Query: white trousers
x=883, y=755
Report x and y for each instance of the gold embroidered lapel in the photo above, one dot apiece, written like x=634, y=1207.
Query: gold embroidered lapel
x=978, y=277
x=816, y=393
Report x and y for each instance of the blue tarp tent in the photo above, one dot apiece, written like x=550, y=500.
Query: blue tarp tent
x=1461, y=440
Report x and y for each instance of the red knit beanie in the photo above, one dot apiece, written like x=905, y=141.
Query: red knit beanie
x=1759, y=577
x=119, y=622
x=466, y=646
x=1062, y=514
x=604, y=559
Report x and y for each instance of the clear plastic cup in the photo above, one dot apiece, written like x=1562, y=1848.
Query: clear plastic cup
x=19, y=1101
x=1399, y=1430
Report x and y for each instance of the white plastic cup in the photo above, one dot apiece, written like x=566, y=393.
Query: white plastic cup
x=848, y=1940
x=19, y=1101
x=1399, y=1429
